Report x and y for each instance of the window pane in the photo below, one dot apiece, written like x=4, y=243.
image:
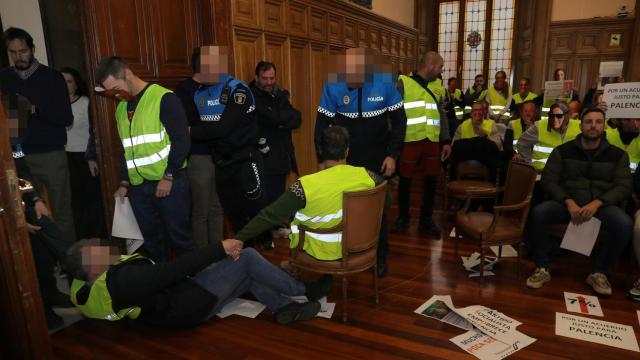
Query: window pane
x=501, y=37
x=448, y=37
x=474, y=36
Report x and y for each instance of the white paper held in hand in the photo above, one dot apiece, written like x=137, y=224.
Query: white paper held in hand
x=124, y=221
x=581, y=238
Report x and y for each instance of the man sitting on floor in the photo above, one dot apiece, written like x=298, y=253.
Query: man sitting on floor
x=585, y=177
x=316, y=200
x=185, y=292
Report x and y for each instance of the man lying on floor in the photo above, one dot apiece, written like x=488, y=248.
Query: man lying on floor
x=187, y=291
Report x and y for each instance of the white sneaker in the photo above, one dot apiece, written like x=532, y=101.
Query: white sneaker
x=599, y=283
x=538, y=278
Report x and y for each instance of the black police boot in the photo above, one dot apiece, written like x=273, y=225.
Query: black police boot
x=429, y=227
x=401, y=225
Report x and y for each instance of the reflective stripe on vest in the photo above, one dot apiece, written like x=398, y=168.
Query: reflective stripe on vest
x=467, y=132
x=550, y=139
x=423, y=117
x=149, y=160
x=143, y=139
x=324, y=192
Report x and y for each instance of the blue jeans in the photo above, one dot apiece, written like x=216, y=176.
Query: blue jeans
x=228, y=279
x=615, y=222
x=163, y=221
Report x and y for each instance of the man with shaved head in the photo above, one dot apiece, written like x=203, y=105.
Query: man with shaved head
x=426, y=141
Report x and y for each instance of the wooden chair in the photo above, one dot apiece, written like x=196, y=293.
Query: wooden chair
x=469, y=175
x=360, y=227
x=506, y=224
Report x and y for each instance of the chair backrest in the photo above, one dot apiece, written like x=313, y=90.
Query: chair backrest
x=472, y=169
x=361, y=218
x=521, y=178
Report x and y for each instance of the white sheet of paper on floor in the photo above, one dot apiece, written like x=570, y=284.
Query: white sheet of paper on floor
x=472, y=263
x=507, y=251
x=597, y=331
x=242, y=307
x=124, y=221
x=581, y=238
x=486, y=273
x=483, y=346
x=582, y=304
x=326, y=308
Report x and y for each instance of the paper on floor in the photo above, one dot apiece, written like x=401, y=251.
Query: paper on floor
x=581, y=238
x=507, y=251
x=597, y=331
x=242, y=307
x=440, y=308
x=583, y=304
x=484, y=347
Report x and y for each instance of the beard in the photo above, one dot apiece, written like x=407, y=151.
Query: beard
x=23, y=65
x=591, y=136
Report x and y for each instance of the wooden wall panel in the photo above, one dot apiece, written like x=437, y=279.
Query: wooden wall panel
x=248, y=51
x=298, y=36
x=578, y=47
x=176, y=26
x=275, y=15
x=276, y=51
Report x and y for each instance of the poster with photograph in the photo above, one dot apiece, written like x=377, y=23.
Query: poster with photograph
x=555, y=91
x=610, y=73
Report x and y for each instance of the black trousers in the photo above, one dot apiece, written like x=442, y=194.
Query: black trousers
x=86, y=201
x=48, y=246
x=241, y=189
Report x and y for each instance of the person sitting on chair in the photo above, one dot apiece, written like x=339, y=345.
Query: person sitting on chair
x=585, y=178
x=187, y=291
x=315, y=200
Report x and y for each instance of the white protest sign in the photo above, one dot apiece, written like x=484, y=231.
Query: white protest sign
x=483, y=346
x=623, y=100
x=581, y=238
x=125, y=224
x=597, y=331
x=583, y=304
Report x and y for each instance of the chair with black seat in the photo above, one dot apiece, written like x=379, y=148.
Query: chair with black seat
x=505, y=226
x=468, y=175
x=360, y=228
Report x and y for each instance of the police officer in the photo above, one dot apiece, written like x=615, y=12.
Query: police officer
x=369, y=106
x=153, y=128
x=227, y=122
x=427, y=129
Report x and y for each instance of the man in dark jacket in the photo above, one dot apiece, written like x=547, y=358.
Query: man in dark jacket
x=585, y=177
x=185, y=292
x=276, y=118
x=50, y=114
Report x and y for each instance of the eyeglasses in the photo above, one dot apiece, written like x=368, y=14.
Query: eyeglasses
x=557, y=116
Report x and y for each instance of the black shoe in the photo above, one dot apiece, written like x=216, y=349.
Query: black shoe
x=61, y=300
x=429, y=227
x=297, y=311
x=382, y=269
x=400, y=225
x=318, y=289
x=54, y=321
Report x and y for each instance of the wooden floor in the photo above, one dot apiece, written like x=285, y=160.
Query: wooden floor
x=419, y=267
